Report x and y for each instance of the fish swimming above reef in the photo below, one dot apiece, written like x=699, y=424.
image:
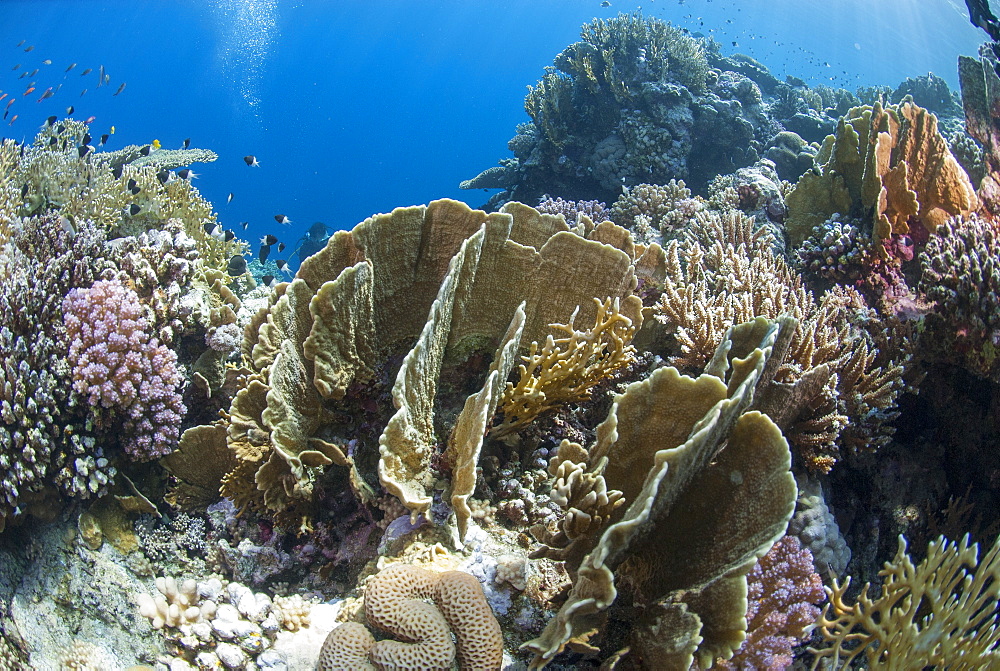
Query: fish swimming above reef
x=268, y=240
x=282, y=219
x=71, y=66
x=237, y=266
x=251, y=161
x=230, y=198
x=186, y=143
x=263, y=253
x=215, y=230
x=120, y=89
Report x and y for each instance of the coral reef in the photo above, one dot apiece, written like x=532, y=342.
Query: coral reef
x=961, y=275
x=940, y=612
x=783, y=589
x=128, y=378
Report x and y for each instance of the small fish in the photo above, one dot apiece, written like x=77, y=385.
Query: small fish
x=10, y=102
x=156, y=144
x=237, y=266
x=112, y=129
x=90, y=119
x=282, y=219
x=86, y=72
x=134, y=209
x=244, y=224
x=100, y=78
x=135, y=190
x=215, y=230
x=187, y=143
x=283, y=266
x=48, y=94
x=29, y=48
x=70, y=110
x=86, y=139
x=51, y=120
x=132, y=183
x=605, y=4
x=30, y=89
x=21, y=42
x=268, y=240
x=281, y=247
x=71, y=66
x=67, y=226
x=262, y=254
x=229, y=235
x=53, y=140
x=24, y=191
x=104, y=139
x=187, y=174
x=83, y=93
x=16, y=67
x=107, y=80
x=117, y=172
x=230, y=198
x=144, y=151
x=23, y=75
x=83, y=150
x=33, y=72
x=269, y=281
x=47, y=61
x=12, y=120
x=120, y=89
x=251, y=161
x=3, y=96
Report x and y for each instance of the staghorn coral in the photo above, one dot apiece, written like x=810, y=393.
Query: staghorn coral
x=725, y=272
x=941, y=612
x=655, y=447
x=783, y=589
x=961, y=275
x=118, y=367
x=393, y=603
x=887, y=165
x=565, y=369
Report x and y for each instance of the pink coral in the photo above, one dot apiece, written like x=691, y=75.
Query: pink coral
x=783, y=590
x=596, y=210
x=119, y=367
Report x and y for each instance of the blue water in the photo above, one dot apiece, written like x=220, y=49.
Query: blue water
x=354, y=107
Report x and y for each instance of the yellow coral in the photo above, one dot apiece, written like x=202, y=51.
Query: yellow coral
x=564, y=370
x=941, y=613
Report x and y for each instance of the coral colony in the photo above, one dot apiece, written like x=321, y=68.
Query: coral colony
x=668, y=418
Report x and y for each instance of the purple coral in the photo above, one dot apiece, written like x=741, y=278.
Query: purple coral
x=783, y=590
x=120, y=368
x=596, y=210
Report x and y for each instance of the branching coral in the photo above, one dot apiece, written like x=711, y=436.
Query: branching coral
x=565, y=369
x=961, y=274
x=783, y=590
x=117, y=366
x=941, y=612
x=724, y=272
x=662, y=209
x=660, y=448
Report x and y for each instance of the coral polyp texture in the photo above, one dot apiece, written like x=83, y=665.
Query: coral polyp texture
x=120, y=369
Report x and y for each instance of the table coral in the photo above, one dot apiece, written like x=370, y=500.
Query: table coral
x=117, y=366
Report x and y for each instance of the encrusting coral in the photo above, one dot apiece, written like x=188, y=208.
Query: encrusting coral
x=940, y=612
